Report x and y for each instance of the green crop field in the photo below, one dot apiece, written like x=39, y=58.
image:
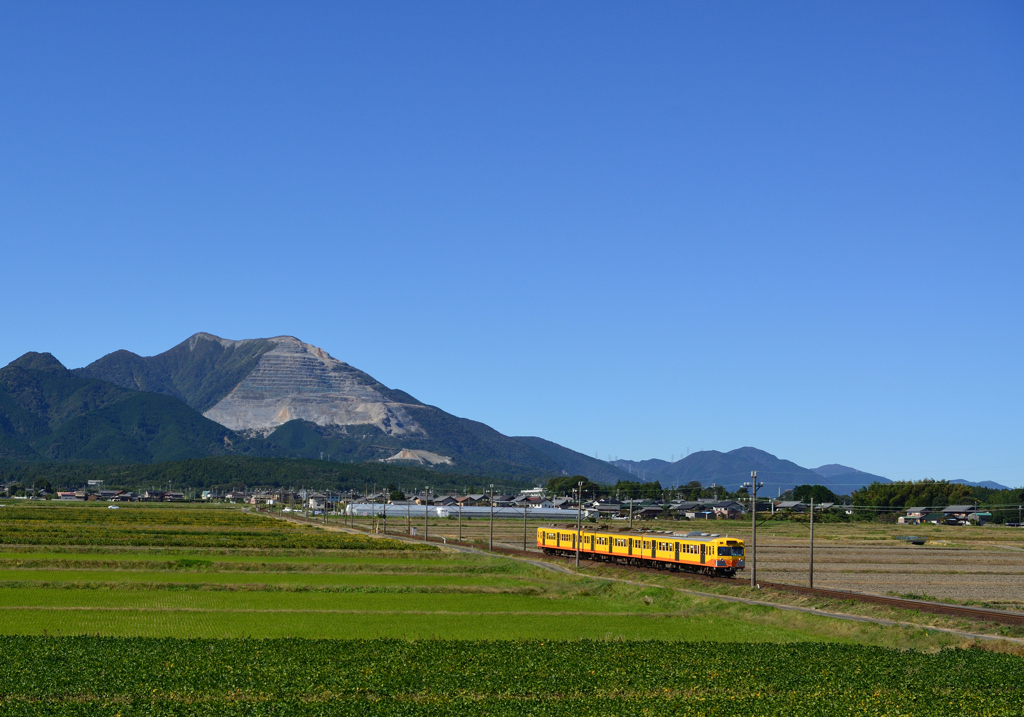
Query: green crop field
x=124, y=677
x=185, y=610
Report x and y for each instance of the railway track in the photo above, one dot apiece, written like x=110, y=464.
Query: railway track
x=1002, y=617
x=973, y=613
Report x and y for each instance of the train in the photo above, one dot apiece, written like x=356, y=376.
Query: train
x=698, y=552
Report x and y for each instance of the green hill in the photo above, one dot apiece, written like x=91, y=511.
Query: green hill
x=46, y=412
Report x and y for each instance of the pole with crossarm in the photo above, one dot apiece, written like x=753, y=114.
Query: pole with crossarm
x=753, y=485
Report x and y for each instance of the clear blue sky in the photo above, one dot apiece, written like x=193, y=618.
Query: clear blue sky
x=631, y=228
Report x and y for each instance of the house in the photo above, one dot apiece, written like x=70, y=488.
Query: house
x=914, y=516
x=685, y=506
x=649, y=512
x=690, y=509
x=109, y=494
x=174, y=496
x=448, y=501
x=153, y=495
x=235, y=495
x=124, y=496
x=541, y=502
x=727, y=509
x=604, y=508
x=958, y=514
x=316, y=501
x=473, y=499
x=503, y=501
x=979, y=518
x=794, y=506
x=69, y=495
x=537, y=492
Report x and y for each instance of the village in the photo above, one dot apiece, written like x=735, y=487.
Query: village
x=534, y=503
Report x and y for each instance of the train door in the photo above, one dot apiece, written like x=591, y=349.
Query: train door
x=677, y=551
x=574, y=541
x=544, y=537
x=654, y=548
x=558, y=540
x=702, y=548
x=630, y=552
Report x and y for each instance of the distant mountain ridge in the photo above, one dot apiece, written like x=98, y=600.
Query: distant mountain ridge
x=732, y=469
x=280, y=397
x=729, y=470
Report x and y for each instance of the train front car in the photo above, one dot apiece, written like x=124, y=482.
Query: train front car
x=728, y=556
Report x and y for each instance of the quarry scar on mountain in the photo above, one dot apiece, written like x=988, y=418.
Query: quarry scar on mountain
x=294, y=380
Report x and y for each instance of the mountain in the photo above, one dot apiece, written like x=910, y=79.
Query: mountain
x=47, y=412
x=983, y=484
x=854, y=479
x=259, y=384
x=729, y=470
x=843, y=480
x=292, y=399
x=573, y=463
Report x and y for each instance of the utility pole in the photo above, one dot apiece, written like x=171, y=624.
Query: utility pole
x=753, y=485
x=385, y=517
x=579, y=516
x=525, y=505
x=631, y=513
x=810, y=581
x=426, y=516
x=490, y=540
x=460, y=521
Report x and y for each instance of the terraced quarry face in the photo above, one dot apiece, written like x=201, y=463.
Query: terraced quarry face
x=295, y=380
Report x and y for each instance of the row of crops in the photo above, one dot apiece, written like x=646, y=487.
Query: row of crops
x=91, y=675
x=133, y=514
x=284, y=536
x=172, y=528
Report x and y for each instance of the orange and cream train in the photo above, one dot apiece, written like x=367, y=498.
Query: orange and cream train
x=707, y=553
